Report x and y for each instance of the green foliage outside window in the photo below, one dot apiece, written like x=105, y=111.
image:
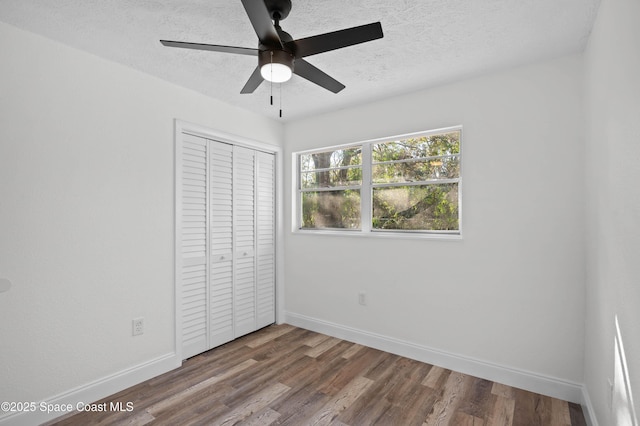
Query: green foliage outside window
x=334, y=209
x=428, y=159
x=432, y=207
x=341, y=168
x=414, y=185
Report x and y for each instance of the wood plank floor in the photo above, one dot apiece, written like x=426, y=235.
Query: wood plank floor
x=283, y=375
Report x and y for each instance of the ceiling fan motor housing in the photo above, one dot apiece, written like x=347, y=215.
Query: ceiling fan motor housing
x=278, y=9
x=279, y=57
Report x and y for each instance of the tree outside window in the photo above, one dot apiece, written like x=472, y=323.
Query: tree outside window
x=412, y=184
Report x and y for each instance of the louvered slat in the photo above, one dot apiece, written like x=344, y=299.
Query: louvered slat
x=221, y=243
x=244, y=239
x=265, y=239
x=193, y=245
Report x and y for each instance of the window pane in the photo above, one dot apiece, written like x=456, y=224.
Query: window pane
x=332, y=178
x=331, y=159
x=423, y=207
x=426, y=146
x=331, y=209
x=415, y=171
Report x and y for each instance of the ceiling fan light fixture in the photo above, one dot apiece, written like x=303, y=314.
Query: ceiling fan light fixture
x=275, y=65
x=275, y=72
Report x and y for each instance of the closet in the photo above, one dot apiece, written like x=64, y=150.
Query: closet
x=225, y=234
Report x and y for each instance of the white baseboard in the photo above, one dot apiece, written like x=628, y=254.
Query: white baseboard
x=96, y=390
x=533, y=382
x=587, y=408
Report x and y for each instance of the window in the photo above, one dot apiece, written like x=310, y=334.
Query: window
x=402, y=185
x=331, y=183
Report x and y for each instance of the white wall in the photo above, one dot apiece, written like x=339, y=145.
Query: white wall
x=86, y=212
x=613, y=213
x=511, y=292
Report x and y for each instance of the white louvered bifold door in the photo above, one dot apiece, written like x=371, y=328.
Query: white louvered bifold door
x=226, y=241
x=244, y=219
x=265, y=239
x=221, y=243
x=193, y=245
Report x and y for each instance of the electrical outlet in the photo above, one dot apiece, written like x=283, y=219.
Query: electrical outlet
x=362, y=298
x=138, y=326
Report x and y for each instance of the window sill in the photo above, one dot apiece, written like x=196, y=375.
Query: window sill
x=380, y=234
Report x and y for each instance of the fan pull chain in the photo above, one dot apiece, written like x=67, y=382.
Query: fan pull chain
x=280, y=100
x=271, y=82
x=271, y=87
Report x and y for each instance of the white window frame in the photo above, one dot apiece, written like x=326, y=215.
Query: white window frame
x=366, y=191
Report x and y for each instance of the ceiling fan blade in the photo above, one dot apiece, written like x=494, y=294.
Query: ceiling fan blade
x=305, y=70
x=261, y=22
x=211, y=47
x=253, y=82
x=335, y=40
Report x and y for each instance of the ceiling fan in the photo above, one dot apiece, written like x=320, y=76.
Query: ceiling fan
x=279, y=55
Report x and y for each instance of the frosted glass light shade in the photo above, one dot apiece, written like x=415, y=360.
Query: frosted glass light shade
x=275, y=72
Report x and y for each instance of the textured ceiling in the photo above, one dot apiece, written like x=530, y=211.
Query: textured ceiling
x=426, y=42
